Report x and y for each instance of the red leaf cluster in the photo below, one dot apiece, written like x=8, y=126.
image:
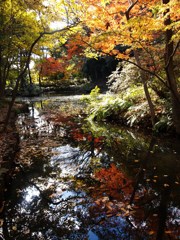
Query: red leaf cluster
x=51, y=66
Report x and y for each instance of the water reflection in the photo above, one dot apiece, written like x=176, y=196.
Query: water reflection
x=82, y=180
x=30, y=194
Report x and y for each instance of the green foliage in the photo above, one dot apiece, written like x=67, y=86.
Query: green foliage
x=95, y=93
x=108, y=107
x=123, y=77
x=137, y=113
x=100, y=107
x=92, y=98
x=134, y=94
x=30, y=90
x=112, y=106
x=163, y=124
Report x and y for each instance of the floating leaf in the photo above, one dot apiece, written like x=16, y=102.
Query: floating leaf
x=118, y=215
x=14, y=228
x=151, y=232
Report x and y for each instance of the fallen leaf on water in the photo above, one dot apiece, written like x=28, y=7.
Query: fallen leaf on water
x=126, y=214
x=151, y=232
x=109, y=206
x=14, y=228
x=118, y=215
x=109, y=215
x=123, y=209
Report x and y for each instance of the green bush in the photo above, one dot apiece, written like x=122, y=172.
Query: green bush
x=101, y=107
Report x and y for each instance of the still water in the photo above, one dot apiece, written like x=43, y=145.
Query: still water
x=82, y=180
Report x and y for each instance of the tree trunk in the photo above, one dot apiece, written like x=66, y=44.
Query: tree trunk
x=2, y=86
x=30, y=78
x=18, y=81
x=169, y=68
x=146, y=90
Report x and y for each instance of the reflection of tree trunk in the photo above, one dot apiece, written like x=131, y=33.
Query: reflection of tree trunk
x=5, y=230
x=163, y=213
x=92, y=146
x=41, y=104
x=32, y=108
x=141, y=171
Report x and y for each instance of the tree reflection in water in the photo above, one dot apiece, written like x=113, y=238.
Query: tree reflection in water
x=64, y=186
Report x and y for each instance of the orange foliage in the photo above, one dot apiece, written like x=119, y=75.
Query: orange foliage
x=74, y=46
x=50, y=67
x=138, y=24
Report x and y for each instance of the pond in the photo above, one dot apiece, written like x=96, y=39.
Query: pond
x=82, y=180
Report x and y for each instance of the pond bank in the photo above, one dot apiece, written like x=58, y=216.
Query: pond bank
x=9, y=145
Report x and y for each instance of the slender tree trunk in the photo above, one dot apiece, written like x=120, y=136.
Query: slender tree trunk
x=146, y=90
x=18, y=81
x=2, y=86
x=169, y=68
x=29, y=73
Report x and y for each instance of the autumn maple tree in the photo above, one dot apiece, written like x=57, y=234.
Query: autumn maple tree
x=50, y=67
x=150, y=29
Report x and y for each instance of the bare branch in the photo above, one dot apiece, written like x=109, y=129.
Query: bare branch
x=130, y=8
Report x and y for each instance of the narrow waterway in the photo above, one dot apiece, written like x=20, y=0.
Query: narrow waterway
x=79, y=180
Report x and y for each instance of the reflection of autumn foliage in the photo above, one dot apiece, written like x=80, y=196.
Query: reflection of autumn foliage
x=80, y=136
x=115, y=181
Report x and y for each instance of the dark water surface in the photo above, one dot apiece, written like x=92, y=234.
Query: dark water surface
x=81, y=180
